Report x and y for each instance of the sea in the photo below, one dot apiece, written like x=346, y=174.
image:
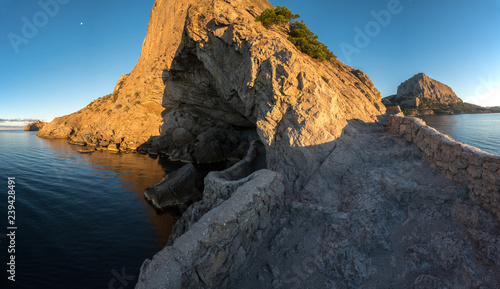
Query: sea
x=479, y=130
x=80, y=220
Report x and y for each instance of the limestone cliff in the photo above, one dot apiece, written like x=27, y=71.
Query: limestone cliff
x=219, y=75
x=230, y=74
x=35, y=126
x=132, y=113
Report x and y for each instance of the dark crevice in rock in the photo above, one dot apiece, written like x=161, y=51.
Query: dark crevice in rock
x=200, y=124
x=189, y=82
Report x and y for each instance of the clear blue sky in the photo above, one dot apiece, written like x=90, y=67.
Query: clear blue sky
x=82, y=47
x=66, y=64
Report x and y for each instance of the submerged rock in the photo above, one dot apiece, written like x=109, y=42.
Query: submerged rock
x=86, y=151
x=177, y=188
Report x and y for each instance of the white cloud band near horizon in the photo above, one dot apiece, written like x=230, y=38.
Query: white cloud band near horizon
x=15, y=123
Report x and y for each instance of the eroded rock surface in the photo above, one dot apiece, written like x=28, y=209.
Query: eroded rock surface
x=220, y=185
x=375, y=215
x=230, y=73
x=215, y=249
x=213, y=68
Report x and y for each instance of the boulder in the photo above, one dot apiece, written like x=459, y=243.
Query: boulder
x=77, y=140
x=394, y=110
x=114, y=148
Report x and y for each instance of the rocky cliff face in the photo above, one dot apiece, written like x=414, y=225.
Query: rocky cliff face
x=35, y=126
x=230, y=75
x=424, y=93
x=219, y=75
x=130, y=115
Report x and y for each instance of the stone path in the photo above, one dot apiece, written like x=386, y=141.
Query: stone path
x=376, y=216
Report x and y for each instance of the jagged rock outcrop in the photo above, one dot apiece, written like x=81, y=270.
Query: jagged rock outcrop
x=230, y=74
x=129, y=116
x=35, y=126
x=422, y=95
x=421, y=91
x=225, y=73
x=219, y=186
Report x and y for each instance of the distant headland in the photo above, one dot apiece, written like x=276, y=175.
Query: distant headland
x=422, y=95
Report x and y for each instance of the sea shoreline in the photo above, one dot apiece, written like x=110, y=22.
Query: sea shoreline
x=451, y=113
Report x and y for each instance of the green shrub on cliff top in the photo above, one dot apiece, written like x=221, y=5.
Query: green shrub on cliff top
x=303, y=38
x=276, y=16
x=306, y=41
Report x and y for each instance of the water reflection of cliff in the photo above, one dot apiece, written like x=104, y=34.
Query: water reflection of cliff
x=135, y=171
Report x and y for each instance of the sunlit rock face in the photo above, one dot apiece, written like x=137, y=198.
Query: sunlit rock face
x=421, y=91
x=212, y=79
x=230, y=75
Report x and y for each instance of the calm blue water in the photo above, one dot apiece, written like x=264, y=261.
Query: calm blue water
x=479, y=130
x=82, y=219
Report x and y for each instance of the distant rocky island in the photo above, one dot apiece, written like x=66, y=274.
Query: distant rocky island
x=422, y=95
x=35, y=126
x=323, y=187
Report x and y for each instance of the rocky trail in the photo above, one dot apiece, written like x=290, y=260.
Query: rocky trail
x=375, y=215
